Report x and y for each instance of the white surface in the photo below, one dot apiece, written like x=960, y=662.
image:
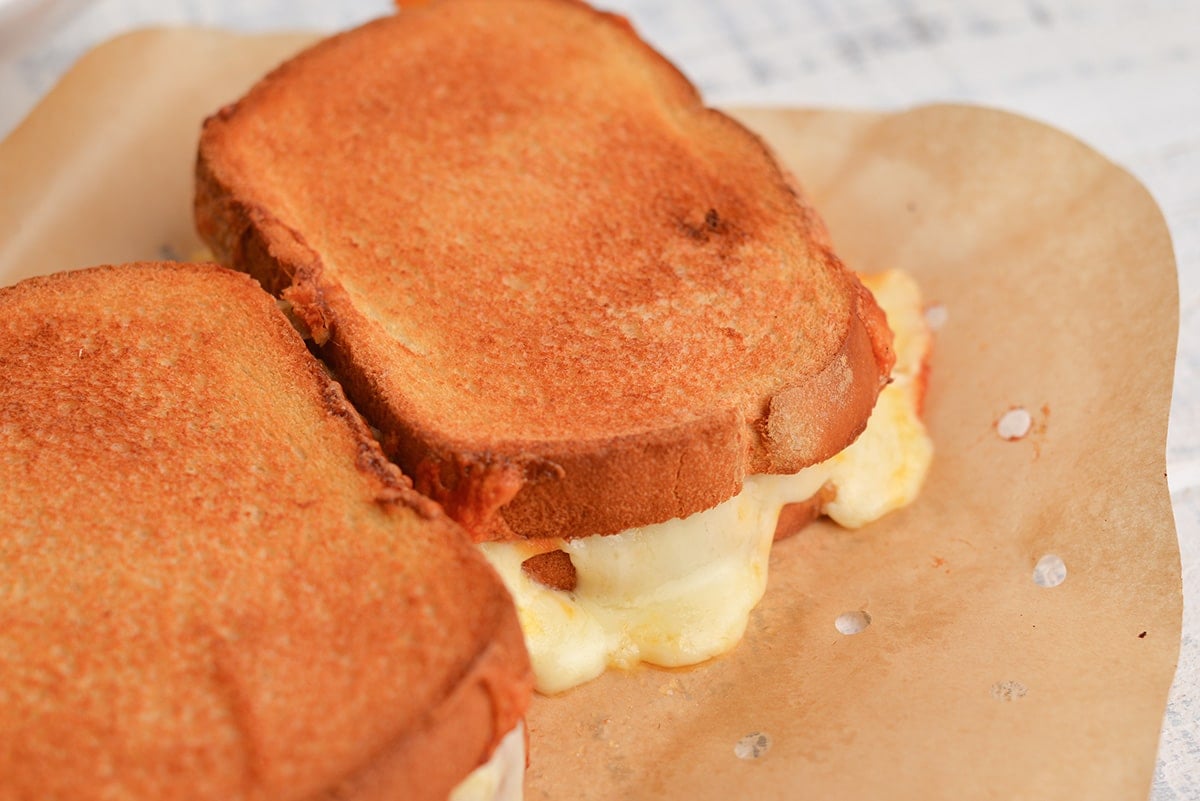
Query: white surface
x=25, y=22
x=1123, y=76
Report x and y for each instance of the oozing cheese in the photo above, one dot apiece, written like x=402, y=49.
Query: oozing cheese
x=680, y=592
x=501, y=778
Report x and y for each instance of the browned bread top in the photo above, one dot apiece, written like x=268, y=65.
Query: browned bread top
x=212, y=584
x=573, y=298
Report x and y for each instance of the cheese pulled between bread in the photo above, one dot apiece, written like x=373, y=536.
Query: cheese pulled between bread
x=680, y=592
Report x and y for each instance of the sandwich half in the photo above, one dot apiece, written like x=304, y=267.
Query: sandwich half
x=213, y=585
x=580, y=308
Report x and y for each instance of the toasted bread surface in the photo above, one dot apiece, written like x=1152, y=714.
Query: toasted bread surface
x=572, y=298
x=212, y=584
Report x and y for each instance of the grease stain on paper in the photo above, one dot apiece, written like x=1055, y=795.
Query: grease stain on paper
x=753, y=746
x=1050, y=571
x=852, y=622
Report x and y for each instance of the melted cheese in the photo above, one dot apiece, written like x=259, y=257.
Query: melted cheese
x=681, y=592
x=501, y=778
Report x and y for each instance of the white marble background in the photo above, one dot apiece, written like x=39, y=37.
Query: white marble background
x=1122, y=75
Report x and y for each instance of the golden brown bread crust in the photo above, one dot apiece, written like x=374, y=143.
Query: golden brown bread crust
x=572, y=298
x=214, y=585
x=794, y=517
x=553, y=569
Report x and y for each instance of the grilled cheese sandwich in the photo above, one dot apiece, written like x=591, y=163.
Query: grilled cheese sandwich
x=579, y=307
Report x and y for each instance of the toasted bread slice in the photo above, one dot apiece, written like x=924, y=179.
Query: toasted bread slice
x=212, y=584
x=572, y=298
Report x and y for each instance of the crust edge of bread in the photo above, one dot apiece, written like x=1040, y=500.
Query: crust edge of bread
x=453, y=739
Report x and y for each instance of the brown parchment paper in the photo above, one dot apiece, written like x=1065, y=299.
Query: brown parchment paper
x=1056, y=274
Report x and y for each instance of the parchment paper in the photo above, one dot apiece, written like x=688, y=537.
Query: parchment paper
x=1055, y=274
